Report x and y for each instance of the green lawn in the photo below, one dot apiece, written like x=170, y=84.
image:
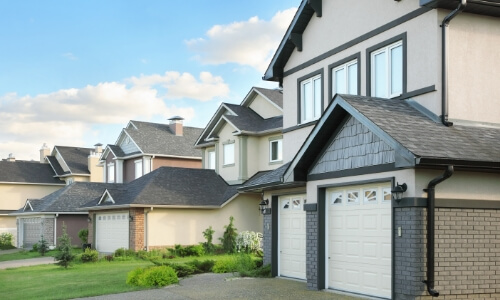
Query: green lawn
x=24, y=254
x=81, y=280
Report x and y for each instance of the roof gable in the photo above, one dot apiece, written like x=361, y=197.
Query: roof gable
x=74, y=159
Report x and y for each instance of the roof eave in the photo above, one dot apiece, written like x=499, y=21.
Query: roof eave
x=432, y=161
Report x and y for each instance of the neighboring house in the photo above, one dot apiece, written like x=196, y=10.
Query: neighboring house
x=168, y=206
x=47, y=215
x=21, y=180
x=143, y=147
x=74, y=163
x=349, y=155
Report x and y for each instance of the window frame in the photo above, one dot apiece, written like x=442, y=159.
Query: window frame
x=370, y=70
x=343, y=62
x=211, y=164
x=279, y=142
x=300, y=81
x=224, y=151
x=136, y=162
x=111, y=179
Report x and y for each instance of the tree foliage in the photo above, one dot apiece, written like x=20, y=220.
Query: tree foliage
x=65, y=256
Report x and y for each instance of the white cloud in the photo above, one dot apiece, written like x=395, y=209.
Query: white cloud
x=69, y=117
x=252, y=42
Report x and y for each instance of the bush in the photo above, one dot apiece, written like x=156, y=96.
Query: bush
x=194, y=250
x=208, y=245
x=34, y=248
x=109, y=257
x=152, y=276
x=249, y=242
x=89, y=255
x=228, y=238
x=83, y=234
x=43, y=246
x=263, y=271
x=124, y=252
x=225, y=265
x=182, y=270
x=6, y=240
x=202, y=266
x=65, y=256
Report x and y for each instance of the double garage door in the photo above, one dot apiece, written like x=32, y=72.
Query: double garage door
x=358, y=233
x=112, y=231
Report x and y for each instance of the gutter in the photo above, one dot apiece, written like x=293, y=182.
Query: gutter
x=431, y=203
x=444, y=61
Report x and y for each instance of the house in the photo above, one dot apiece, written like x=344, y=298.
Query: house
x=143, y=147
x=74, y=163
x=20, y=180
x=46, y=216
x=391, y=133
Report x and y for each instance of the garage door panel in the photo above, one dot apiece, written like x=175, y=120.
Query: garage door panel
x=292, y=243
x=112, y=232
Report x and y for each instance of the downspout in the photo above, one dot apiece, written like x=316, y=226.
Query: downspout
x=444, y=61
x=431, y=202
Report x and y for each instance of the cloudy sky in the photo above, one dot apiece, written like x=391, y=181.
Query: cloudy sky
x=73, y=73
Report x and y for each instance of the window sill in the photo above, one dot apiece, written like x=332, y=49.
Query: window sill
x=228, y=166
x=276, y=162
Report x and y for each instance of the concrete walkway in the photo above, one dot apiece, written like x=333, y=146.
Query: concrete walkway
x=26, y=262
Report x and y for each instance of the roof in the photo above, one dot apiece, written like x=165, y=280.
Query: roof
x=67, y=199
x=170, y=186
x=412, y=134
x=247, y=120
x=155, y=138
x=274, y=95
x=55, y=165
x=481, y=7
x=75, y=158
x=27, y=172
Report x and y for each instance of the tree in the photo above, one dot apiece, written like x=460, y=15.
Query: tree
x=43, y=246
x=228, y=238
x=208, y=234
x=65, y=255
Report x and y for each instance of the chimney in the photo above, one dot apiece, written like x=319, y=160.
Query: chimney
x=176, y=125
x=44, y=152
x=11, y=157
x=98, y=148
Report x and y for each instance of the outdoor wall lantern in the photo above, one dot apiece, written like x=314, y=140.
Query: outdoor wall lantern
x=130, y=218
x=263, y=205
x=398, y=190
x=89, y=219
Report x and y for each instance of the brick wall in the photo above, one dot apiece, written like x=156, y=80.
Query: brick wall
x=136, y=233
x=267, y=239
x=48, y=230
x=312, y=249
x=467, y=255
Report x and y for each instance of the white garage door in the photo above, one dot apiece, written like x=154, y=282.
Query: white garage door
x=112, y=231
x=292, y=243
x=359, y=239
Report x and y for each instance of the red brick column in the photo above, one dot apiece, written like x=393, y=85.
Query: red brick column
x=136, y=233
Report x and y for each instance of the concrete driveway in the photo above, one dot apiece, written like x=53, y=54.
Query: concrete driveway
x=226, y=286
x=27, y=262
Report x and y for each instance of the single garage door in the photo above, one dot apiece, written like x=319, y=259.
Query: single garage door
x=292, y=243
x=359, y=239
x=112, y=231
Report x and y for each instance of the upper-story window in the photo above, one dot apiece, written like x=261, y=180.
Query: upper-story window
x=138, y=168
x=211, y=160
x=310, y=99
x=276, y=150
x=345, y=78
x=229, y=154
x=387, y=71
x=111, y=173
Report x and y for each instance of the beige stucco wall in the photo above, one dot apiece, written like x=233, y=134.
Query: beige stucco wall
x=292, y=141
x=264, y=108
x=474, y=68
x=167, y=227
x=14, y=196
x=230, y=172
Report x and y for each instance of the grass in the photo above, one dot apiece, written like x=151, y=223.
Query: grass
x=80, y=280
x=24, y=254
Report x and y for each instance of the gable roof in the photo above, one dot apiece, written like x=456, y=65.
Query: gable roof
x=155, y=138
x=27, y=172
x=170, y=187
x=274, y=95
x=75, y=158
x=269, y=180
x=417, y=139
x=67, y=199
x=248, y=121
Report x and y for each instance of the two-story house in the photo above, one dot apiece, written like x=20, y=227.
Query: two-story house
x=391, y=128
x=143, y=147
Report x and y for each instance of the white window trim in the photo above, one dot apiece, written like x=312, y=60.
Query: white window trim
x=387, y=50
x=111, y=175
x=136, y=162
x=279, y=143
x=345, y=67
x=224, y=146
x=209, y=155
x=313, y=105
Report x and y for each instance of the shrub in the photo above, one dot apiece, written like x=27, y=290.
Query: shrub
x=83, y=234
x=124, y=252
x=225, y=265
x=249, y=242
x=202, y=266
x=245, y=263
x=64, y=257
x=109, y=257
x=194, y=250
x=262, y=271
x=89, y=255
x=43, y=246
x=152, y=276
x=6, y=240
x=182, y=270
x=34, y=248
x=228, y=238
x=208, y=245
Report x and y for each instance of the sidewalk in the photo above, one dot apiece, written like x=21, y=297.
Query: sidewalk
x=26, y=262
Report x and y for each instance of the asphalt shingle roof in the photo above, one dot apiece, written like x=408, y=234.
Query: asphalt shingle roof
x=55, y=165
x=76, y=158
x=249, y=120
x=275, y=95
x=426, y=138
x=266, y=177
x=154, y=138
x=27, y=172
x=117, y=150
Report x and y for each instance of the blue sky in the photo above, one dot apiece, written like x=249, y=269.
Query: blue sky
x=74, y=73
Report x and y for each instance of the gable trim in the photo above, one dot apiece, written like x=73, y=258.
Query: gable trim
x=250, y=97
x=207, y=131
x=131, y=139
x=105, y=195
x=62, y=157
x=26, y=205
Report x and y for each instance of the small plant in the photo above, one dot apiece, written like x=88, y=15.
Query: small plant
x=6, y=241
x=249, y=242
x=228, y=238
x=208, y=245
x=65, y=256
x=194, y=250
x=89, y=255
x=109, y=257
x=43, y=246
x=124, y=252
x=152, y=276
x=202, y=266
x=34, y=248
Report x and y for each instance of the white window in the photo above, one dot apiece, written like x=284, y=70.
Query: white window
x=345, y=78
x=229, y=154
x=111, y=173
x=336, y=198
x=387, y=71
x=70, y=181
x=370, y=196
x=310, y=99
x=276, y=150
x=138, y=168
x=211, y=160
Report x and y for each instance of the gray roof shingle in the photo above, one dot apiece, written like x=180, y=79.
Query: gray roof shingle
x=154, y=138
x=265, y=178
x=56, y=166
x=27, y=172
x=76, y=158
x=275, y=95
x=248, y=120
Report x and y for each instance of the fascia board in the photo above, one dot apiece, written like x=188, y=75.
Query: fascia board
x=62, y=157
x=218, y=113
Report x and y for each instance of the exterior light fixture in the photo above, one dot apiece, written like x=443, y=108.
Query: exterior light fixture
x=89, y=219
x=263, y=206
x=130, y=218
x=398, y=190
